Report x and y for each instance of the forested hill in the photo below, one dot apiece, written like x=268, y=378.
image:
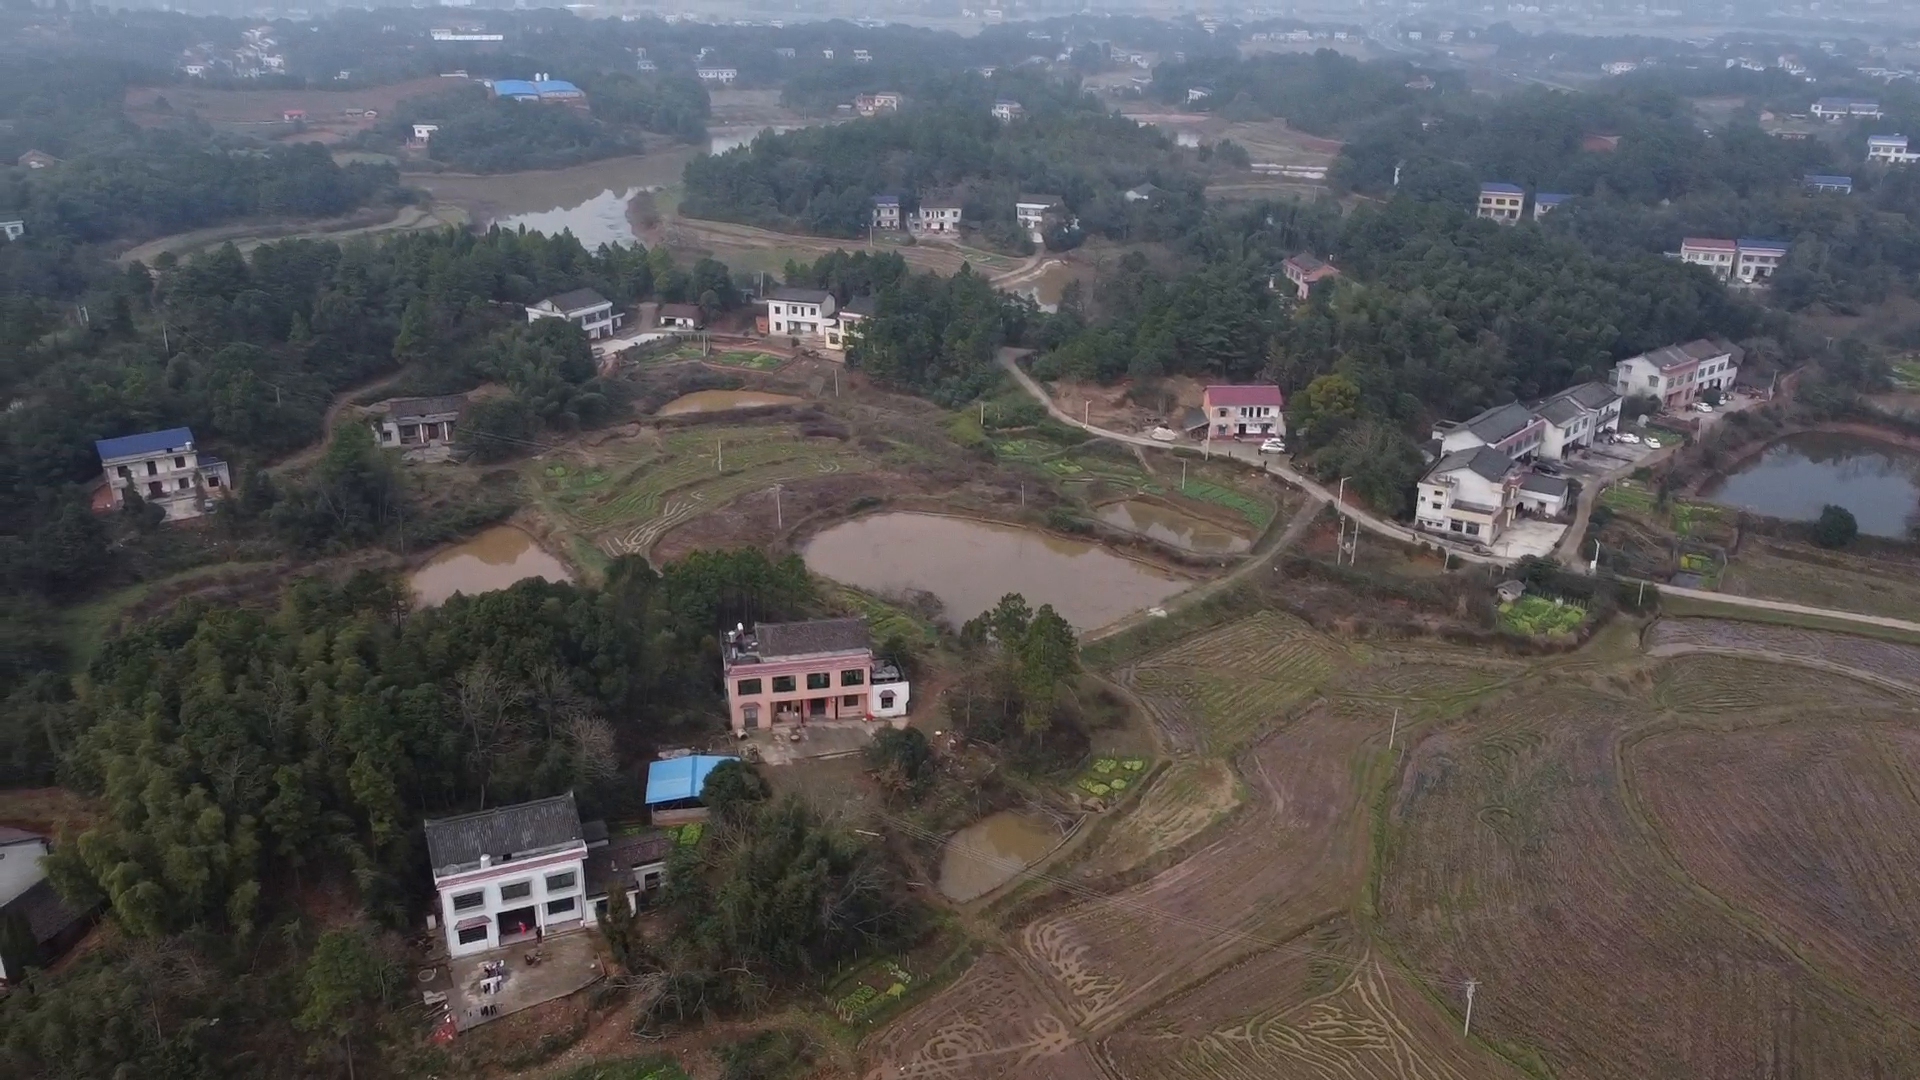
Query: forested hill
x=1323, y=92
x=822, y=180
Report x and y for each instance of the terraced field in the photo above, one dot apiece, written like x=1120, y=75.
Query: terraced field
x=628, y=495
x=991, y=1024
x=1884, y=663
x=1219, y=690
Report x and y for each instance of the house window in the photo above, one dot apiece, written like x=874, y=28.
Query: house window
x=819, y=680
x=518, y=890
x=1473, y=529
x=179, y=463
x=560, y=906
x=126, y=472
x=1455, y=526
x=850, y=701
x=560, y=882
x=185, y=484
x=748, y=687
x=783, y=684
x=853, y=677
x=213, y=480
x=886, y=699
x=473, y=933
x=470, y=901
x=153, y=468
x=154, y=489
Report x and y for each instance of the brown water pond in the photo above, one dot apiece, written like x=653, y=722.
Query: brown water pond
x=719, y=400
x=492, y=560
x=988, y=853
x=1170, y=526
x=969, y=565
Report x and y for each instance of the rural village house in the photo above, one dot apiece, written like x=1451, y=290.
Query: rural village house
x=1501, y=202
x=824, y=669
x=1034, y=212
x=1748, y=261
x=798, y=312
x=681, y=316
x=165, y=469
x=938, y=217
x=37, y=926
x=1305, y=271
x=1890, y=150
x=1479, y=481
x=1244, y=412
x=582, y=307
x=421, y=428
x=886, y=211
x=510, y=874
x=1677, y=374
x=1007, y=111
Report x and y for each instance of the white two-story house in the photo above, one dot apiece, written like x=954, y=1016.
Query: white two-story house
x=1575, y=417
x=1512, y=429
x=1502, y=202
x=165, y=469
x=799, y=312
x=940, y=217
x=583, y=308
x=1252, y=411
x=1032, y=212
x=506, y=875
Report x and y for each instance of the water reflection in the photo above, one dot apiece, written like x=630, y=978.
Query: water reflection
x=492, y=560
x=969, y=565
x=600, y=219
x=717, y=400
x=988, y=853
x=1170, y=526
x=1798, y=475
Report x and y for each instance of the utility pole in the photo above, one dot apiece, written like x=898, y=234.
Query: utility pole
x=1086, y=410
x=1183, y=475
x=1467, y=1028
x=779, y=519
x=1394, y=730
x=719, y=458
x=836, y=382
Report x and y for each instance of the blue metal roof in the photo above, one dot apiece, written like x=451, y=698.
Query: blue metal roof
x=1550, y=199
x=515, y=88
x=152, y=442
x=1756, y=242
x=1818, y=178
x=1502, y=188
x=680, y=778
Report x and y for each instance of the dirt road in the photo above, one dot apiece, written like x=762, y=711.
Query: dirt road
x=1732, y=600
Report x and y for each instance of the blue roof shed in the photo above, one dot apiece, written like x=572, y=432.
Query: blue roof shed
x=146, y=443
x=678, y=779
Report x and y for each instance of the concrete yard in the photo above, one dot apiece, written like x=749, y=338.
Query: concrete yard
x=569, y=963
x=818, y=739
x=1528, y=536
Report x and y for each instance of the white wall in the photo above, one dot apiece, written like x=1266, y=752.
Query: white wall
x=20, y=867
x=492, y=904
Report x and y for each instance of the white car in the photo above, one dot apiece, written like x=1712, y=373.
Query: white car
x=1629, y=437
x=1653, y=443
x=1701, y=406
x=1274, y=446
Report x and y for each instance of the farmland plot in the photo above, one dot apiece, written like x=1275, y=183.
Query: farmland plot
x=1301, y=1010
x=1709, y=684
x=1886, y=663
x=1291, y=857
x=1219, y=690
x=1187, y=796
x=1518, y=860
x=991, y=1024
x=1816, y=831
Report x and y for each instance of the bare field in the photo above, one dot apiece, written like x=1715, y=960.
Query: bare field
x=1884, y=663
x=1518, y=860
x=326, y=110
x=1771, y=570
x=1186, y=797
x=1815, y=832
x=991, y=1024
x=1221, y=689
x=1290, y=858
x=1709, y=685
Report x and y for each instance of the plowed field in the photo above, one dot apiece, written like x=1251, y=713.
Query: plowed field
x=992, y=1023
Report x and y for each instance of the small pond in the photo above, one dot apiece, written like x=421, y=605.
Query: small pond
x=598, y=219
x=969, y=565
x=988, y=853
x=1795, y=477
x=720, y=400
x=492, y=560
x=1170, y=526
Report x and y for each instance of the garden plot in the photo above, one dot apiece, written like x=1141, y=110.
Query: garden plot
x=1221, y=689
x=1286, y=861
x=1815, y=831
x=991, y=1024
x=1884, y=663
x=1311, y=1009
x=1516, y=857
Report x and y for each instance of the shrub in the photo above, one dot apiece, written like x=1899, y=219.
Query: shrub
x=1836, y=527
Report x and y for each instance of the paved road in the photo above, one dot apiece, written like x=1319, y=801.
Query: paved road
x=1790, y=609
x=1009, y=358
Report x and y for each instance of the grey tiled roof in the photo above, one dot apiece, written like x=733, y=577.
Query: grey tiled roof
x=1560, y=411
x=815, y=636
x=1484, y=460
x=800, y=296
x=1500, y=422
x=504, y=832
x=47, y=914
x=1542, y=484
x=406, y=408
x=577, y=300
x=1593, y=395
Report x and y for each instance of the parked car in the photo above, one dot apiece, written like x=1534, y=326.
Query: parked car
x=1546, y=468
x=1629, y=437
x=1274, y=446
x=1701, y=406
x=1653, y=443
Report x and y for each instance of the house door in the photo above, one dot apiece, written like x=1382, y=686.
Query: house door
x=750, y=714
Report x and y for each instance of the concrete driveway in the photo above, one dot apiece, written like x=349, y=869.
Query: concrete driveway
x=1528, y=536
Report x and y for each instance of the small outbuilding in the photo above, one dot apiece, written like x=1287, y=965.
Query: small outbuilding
x=674, y=786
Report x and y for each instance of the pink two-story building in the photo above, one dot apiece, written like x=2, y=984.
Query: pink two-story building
x=823, y=669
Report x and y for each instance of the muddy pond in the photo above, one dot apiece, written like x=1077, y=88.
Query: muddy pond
x=701, y=401
x=1795, y=477
x=969, y=565
x=492, y=560
x=1170, y=526
x=988, y=853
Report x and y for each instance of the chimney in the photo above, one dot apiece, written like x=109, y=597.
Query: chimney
x=486, y=861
